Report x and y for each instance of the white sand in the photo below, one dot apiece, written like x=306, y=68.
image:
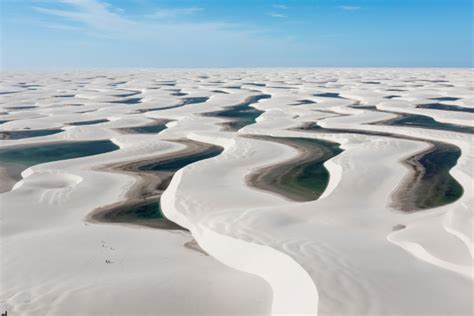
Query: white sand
x=338, y=255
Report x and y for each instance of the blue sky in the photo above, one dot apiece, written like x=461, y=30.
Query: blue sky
x=247, y=33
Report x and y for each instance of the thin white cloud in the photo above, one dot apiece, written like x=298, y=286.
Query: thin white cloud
x=90, y=13
x=61, y=27
x=349, y=8
x=280, y=6
x=174, y=12
x=135, y=40
x=103, y=20
x=276, y=15
x=162, y=36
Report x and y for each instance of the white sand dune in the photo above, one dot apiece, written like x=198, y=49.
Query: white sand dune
x=348, y=253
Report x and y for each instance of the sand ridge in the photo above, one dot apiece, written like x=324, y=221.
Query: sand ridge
x=348, y=252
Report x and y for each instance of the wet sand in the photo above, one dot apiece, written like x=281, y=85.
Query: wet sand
x=346, y=253
x=15, y=159
x=239, y=115
x=429, y=183
x=153, y=177
x=152, y=128
x=10, y=135
x=185, y=101
x=445, y=107
x=303, y=178
x=422, y=121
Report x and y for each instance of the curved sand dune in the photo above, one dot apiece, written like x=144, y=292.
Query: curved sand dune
x=301, y=179
x=348, y=252
x=429, y=183
x=153, y=176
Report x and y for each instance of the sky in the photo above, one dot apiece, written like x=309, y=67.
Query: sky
x=51, y=34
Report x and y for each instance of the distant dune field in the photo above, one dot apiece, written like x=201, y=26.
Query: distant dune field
x=237, y=192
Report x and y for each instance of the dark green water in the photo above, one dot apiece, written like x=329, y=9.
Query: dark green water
x=114, y=84
x=28, y=133
x=445, y=107
x=128, y=101
x=329, y=95
x=219, y=91
x=364, y=107
x=176, y=163
x=92, y=122
x=438, y=186
x=304, y=179
x=257, y=84
x=16, y=108
x=446, y=99
x=148, y=213
x=128, y=94
x=149, y=129
x=423, y=121
x=178, y=94
x=167, y=83
x=194, y=100
x=186, y=101
x=432, y=185
x=37, y=154
x=301, y=102
x=241, y=114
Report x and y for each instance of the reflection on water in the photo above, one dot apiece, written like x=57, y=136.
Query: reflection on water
x=15, y=159
x=35, y=154
x=28, y=133
x=445, y=99
x=241, y=114
x=302, y=179
x=91, y=122
x=305, y=101
x=329, y=95
x=128, y=101
x=147, y=211
x=154, y=128
x=194, y=100
x=431, y=184
x=414, y=120
x=175, y=163
x=186, y=101
x=17, y=108
x=445, y=107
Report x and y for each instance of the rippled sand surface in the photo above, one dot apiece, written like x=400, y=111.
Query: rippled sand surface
x=388, y=233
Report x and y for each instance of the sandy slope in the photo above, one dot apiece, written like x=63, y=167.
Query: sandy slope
x=343, y=254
